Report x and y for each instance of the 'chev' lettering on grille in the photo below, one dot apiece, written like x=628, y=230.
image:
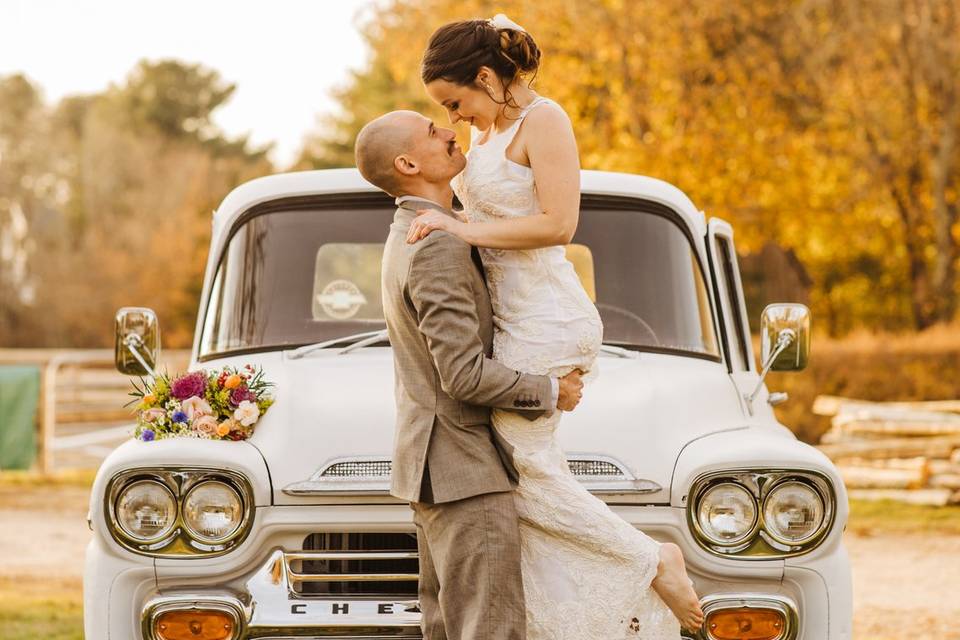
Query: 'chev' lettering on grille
x=337, y=607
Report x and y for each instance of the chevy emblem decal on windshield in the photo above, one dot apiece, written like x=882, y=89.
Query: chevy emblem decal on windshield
x=341, y=299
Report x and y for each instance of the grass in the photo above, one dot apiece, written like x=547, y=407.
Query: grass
x=32, y=609
x=869, y=517
x=82, y=478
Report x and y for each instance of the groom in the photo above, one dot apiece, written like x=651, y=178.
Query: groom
x=453, y=468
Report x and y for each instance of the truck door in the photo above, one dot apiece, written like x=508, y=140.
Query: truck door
x=737, y=345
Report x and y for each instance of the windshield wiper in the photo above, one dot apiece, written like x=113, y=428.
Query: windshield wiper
x=360, y=340
x=355, y=341
x=620, y=352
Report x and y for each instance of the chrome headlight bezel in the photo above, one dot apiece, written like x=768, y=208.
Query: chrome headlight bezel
x=762, y=545
x=736, y=542
x=191, y=531
x=763, y=506
x=164, y=534
x=179, y=542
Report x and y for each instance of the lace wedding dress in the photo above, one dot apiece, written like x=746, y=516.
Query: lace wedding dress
x=586, y=572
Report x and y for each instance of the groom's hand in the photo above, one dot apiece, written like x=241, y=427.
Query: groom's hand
x=571, y=390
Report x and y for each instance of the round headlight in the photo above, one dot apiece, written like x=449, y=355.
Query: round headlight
x=146, y=510
x=212, y=511
x=792, y=512
x=727, y=513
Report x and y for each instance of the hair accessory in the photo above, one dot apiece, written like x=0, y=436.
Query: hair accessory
x=501, y=21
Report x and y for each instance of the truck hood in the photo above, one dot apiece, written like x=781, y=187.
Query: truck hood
x=639, y=412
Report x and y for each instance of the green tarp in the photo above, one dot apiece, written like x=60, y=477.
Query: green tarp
x=19, y=396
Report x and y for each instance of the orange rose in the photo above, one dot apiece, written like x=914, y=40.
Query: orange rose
x=149, y=399
x=223, y=428
x=233, y=382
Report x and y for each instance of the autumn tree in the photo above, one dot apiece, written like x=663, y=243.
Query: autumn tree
x=135, y=172
x=825, y=126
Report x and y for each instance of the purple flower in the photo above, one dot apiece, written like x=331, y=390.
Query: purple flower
x=179, y=416
x=190, y=384
x=240, y=394
x=147, y=435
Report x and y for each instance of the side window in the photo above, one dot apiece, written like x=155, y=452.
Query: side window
x=727, y=267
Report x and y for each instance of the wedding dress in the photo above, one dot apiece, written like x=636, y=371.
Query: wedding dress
x=586, y=571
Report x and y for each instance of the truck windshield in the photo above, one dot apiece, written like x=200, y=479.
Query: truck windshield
x=297, y=276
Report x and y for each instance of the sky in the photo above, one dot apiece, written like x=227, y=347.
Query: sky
x=284, y=55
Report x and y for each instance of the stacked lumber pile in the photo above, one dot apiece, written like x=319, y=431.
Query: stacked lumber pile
x=905, y=451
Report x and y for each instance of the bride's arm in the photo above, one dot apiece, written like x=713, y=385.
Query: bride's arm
x=552, y=151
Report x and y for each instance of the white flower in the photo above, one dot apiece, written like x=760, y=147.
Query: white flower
x=195, y=406
x=501, y=21
x=247, y=413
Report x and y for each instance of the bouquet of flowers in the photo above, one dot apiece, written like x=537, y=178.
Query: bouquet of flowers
x=216, y=405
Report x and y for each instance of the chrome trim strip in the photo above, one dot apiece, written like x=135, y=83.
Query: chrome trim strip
x=300, y=556
x=352, y=577
x=321, y=484
x=720, y=601
x=292, y=556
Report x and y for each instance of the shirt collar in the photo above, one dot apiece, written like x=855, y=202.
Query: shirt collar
x=400, y=200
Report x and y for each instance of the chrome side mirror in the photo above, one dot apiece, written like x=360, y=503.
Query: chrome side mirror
x=784, y=342
x=137, y=345
x=779, y=322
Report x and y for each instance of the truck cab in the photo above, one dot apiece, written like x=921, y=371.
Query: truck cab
x=676, y=432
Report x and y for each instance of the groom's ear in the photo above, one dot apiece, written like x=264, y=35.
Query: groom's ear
x=406, y=165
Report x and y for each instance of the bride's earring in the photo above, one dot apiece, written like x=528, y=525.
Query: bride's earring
x=486, y=85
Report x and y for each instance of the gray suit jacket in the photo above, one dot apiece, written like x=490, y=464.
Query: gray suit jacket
x=440, y=323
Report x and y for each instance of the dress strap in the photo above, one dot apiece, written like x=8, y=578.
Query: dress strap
x=512, y=131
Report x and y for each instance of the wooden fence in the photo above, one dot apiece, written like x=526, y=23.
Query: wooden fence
x=905, y=451
x=80, y=387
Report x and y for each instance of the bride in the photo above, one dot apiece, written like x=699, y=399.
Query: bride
x=587, y=573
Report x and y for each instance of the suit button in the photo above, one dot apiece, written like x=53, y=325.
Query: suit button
x=536, y=403
x=524, y=403
x=516, y=403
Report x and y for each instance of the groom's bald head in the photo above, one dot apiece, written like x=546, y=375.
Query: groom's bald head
x=403, y=152
x=379, y=144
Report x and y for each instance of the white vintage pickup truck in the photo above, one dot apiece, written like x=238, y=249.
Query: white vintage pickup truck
x=293, y=534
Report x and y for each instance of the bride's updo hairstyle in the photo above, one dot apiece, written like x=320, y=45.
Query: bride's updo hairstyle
x=457, y=51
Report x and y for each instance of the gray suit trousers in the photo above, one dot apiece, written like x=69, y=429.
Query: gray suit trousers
x=477, y=540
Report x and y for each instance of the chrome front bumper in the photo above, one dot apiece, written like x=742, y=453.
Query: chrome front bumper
x=272, y=604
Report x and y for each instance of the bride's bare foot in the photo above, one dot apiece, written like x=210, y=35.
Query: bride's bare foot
x=676, y=589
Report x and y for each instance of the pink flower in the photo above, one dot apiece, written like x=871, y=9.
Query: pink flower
x=240, y=394
x=195, y=407
x=207, y=425
x=190, y=384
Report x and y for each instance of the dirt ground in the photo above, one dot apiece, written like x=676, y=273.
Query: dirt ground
x=905, y=585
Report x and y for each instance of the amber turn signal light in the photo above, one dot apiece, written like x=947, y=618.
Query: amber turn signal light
x=196, y=624
x=745, y=624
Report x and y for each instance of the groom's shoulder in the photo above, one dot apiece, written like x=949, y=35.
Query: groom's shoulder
x=441, y=247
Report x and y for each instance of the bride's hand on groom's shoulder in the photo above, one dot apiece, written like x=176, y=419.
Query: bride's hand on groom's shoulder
x=430, y=220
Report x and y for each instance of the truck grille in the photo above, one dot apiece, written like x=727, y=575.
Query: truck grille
x=370, y=475
x=341, y=563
